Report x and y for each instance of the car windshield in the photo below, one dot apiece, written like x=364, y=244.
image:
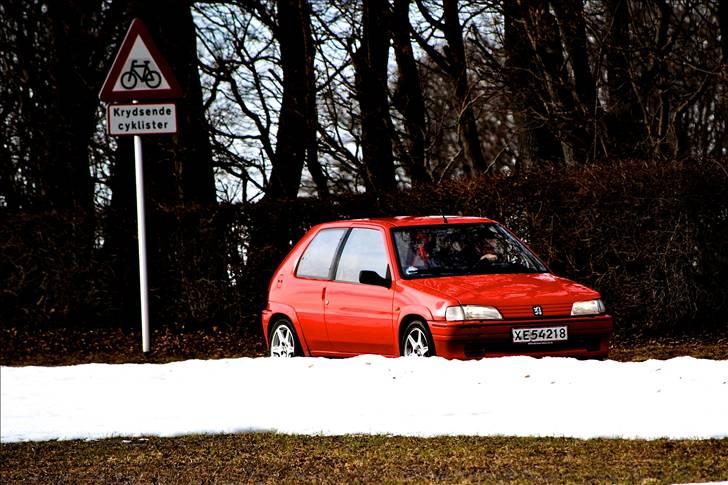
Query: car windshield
x=461, y=249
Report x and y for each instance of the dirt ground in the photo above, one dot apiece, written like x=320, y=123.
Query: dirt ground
x=63, y=346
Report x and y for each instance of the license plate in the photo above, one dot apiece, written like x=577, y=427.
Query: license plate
x=539, y=335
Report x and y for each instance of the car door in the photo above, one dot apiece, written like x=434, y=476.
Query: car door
x=314, y=270
x=359, y=317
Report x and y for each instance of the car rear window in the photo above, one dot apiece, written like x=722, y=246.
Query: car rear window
x=319, y=255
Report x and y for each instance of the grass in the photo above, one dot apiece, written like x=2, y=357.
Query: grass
x=274, y=458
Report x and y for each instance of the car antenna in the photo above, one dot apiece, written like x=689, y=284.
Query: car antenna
x=443, y=217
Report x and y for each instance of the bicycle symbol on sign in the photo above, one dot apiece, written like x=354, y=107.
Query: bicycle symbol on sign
x=139, y=71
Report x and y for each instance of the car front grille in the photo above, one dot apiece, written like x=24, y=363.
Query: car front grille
x=527, y=311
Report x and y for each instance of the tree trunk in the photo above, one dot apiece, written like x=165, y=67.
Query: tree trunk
x=297, y=125
x=71, y=119
x=723, y=21
x=587, y=111
x=566, y=120
x=409, y=99
x=296, y=144
x=536, y=142
x=626, y=129
x=467, y=126
x=183, y=162
x=370, y=63
x=570, y=15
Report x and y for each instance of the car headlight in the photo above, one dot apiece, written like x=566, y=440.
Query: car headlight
x=591, y=307
x=472, y=312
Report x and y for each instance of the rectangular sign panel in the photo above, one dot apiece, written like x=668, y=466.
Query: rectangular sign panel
x=141, y=119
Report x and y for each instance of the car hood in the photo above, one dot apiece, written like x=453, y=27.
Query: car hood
x=514, y=295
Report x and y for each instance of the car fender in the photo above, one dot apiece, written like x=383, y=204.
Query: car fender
x=420, y=310
x=287, y=310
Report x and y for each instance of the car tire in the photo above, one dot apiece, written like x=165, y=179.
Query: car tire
x=283, y=340
x=417, y=341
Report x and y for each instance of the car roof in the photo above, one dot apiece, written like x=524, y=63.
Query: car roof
x=405, y=221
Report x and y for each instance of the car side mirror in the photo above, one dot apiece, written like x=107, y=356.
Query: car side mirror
x=367, y=277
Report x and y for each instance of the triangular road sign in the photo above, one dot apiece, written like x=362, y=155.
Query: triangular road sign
x=139, y=70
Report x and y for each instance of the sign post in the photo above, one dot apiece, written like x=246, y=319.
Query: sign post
x=142, y=240
x=139, y=72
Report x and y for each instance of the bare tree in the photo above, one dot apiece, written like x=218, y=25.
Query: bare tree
x=52, y=66
x=454, y=63
x=530, y=101
x=298, y=121
x=545, y=82
x=625, y=122
x=408, y=97
x=658, y=100
x=241, y=87
x=260, y=72
x=370, y=62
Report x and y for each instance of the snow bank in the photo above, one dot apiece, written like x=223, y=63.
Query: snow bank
x=516, y=396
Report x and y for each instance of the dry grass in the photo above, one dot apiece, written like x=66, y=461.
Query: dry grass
x=705, y=347
x=297, y=459
x=275, y=458
x=50, y=346
x=69, y=346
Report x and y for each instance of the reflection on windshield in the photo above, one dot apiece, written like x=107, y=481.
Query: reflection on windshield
x=460, y=249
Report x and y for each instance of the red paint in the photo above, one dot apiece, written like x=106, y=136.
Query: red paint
x=336, y=318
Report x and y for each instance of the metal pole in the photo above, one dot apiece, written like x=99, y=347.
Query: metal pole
x=139, y=169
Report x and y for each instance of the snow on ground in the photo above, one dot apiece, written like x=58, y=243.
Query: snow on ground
x=516, y=396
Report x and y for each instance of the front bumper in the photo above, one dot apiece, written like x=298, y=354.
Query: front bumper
x=588, y=337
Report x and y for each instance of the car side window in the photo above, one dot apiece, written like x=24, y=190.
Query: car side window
x=319, y=255
x=364, y=250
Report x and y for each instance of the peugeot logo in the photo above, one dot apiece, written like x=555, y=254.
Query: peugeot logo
x=538, y=311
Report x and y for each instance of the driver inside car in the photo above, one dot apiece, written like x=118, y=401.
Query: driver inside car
x=490, y=250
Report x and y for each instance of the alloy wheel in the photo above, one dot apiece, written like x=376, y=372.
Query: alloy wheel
x=416, y=344
x=283, y=343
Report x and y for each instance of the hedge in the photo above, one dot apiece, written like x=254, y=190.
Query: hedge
x=652, y=238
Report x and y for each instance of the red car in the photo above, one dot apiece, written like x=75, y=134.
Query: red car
x=456, y=287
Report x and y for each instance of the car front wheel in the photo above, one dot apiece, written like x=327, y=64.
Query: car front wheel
x=283, y=340
x=417, y=341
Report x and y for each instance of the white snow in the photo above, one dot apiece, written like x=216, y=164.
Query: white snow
x=516, y=396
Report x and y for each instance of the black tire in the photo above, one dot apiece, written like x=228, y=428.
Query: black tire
x=420, y=333
x=283, y=336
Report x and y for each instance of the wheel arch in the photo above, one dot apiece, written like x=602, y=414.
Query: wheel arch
x=279, y=311
x=405, y=321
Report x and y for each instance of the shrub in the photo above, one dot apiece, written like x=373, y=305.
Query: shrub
x=652, y=238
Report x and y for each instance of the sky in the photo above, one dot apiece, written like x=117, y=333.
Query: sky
x=680, y=398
